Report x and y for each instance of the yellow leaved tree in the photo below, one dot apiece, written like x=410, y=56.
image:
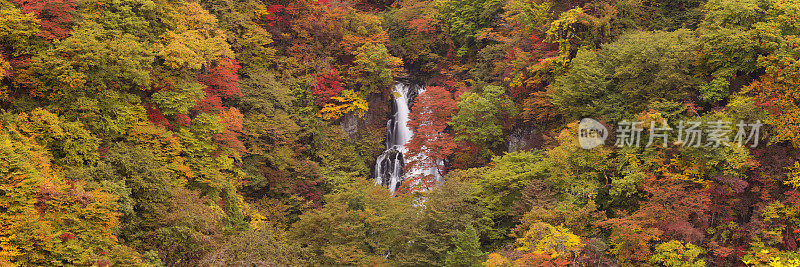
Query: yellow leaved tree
x=555, y=241
x=348, y=102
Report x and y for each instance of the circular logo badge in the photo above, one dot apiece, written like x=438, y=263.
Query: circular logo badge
x=591, y=133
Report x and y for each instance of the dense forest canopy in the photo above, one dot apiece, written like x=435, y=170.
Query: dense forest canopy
x=246, y=132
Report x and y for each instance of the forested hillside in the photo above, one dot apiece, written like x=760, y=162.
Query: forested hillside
x=258, y=132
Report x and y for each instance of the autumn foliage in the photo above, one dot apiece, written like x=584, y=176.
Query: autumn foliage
x=245, y=133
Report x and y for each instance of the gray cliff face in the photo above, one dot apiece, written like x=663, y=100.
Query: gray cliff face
x=349, y=125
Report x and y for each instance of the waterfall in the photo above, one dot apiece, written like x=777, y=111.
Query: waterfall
x=389, y=165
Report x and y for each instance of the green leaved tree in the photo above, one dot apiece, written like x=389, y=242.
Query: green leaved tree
x=468, y=249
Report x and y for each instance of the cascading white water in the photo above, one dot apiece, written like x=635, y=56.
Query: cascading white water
x=389, y=165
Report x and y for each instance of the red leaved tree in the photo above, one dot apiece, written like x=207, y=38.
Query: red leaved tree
x=156, y=117
x=274, y=12
x=234, y=121
x=328, y=86
x=431, y=144
x=221, y=82
x=54, y=16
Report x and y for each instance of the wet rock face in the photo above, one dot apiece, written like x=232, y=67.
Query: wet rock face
x=524, y=138
x=516, y=140
x=412, y=94
x=356, y=127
